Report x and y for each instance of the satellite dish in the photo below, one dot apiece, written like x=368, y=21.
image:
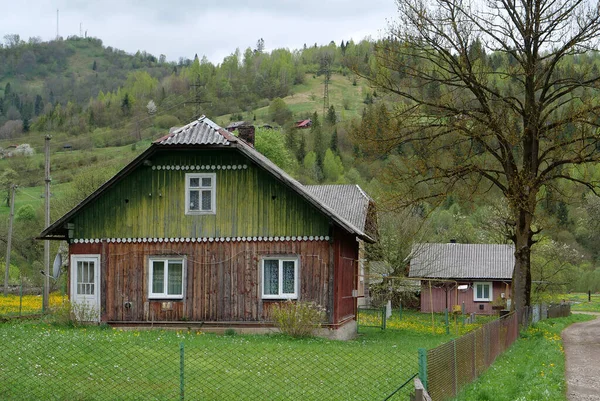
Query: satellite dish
x=463, y=287
x=57, y=265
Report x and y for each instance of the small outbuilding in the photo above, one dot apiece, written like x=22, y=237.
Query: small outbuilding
x=476, y=275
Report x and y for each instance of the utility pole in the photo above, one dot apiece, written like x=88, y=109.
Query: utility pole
x=197, y=98
x=46, y=295
x=9, y=239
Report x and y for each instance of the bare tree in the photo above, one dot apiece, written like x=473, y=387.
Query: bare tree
x=496, y=92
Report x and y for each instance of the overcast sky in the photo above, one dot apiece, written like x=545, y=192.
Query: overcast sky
x=206, y=27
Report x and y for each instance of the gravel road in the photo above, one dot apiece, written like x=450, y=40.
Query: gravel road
x=582, y=349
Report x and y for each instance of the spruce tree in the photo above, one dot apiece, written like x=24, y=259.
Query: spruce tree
x=318, y=144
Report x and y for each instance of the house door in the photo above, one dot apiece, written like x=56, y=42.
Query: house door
x=85, y=287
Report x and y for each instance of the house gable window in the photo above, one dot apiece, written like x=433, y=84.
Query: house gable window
x=482, y=291
x=279, y=278
x=200, y=193
x=166, y=278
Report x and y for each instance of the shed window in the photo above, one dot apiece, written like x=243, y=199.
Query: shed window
x=166, y=277
x=200, y=193
x=279, y=278
x=482, y=291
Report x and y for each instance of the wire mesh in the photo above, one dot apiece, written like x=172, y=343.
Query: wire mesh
x=370, y=317
x=454, y=364
x=53, y=362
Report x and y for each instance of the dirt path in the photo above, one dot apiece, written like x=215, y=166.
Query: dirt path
x=582, y=349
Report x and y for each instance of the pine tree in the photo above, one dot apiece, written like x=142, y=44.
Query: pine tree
x=126, y=104
x=39, y=105
x=301, y=152
x=331, y=116
x=334, y=141
x=318, y=144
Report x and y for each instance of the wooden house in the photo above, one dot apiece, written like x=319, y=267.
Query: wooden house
x=203, y=229
x=452, y=274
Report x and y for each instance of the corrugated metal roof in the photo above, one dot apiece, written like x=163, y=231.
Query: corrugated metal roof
x=200, y=132
x=479, y=261
x=349, y=201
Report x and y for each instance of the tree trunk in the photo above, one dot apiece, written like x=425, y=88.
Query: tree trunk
x=521, y=282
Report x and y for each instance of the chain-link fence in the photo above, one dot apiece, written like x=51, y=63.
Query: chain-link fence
x=40, y=361
x=368, y=316
x=449, y=367
x=26, y=300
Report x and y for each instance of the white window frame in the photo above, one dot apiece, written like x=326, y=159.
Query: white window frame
x=280, y=295
x=490, y=284
x=166, y=260
x=213, y=193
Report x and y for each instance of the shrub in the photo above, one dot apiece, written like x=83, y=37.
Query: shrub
x=166, y=121
x=298, y=319
x=72, y=315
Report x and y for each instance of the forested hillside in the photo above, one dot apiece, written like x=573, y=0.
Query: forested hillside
x=103, y=106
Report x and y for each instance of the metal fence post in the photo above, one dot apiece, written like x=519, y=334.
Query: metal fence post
x=423, y=366
x=181, y=373
x=383, y=317
x=21, y=297
x=447, y=322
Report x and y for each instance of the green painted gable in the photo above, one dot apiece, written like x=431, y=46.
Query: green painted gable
x=149, y=202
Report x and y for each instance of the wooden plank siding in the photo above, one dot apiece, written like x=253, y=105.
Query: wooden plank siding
x=441, y=298
x=150, y=202
x=222, y=279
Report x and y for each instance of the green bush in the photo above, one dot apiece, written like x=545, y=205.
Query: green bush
x=298, y=319
x=166, y=121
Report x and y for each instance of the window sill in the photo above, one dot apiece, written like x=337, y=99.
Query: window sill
x=161, y=298
x=279, y=299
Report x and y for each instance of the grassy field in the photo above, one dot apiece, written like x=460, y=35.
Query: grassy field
x=579, y=302
x=532, y=369
x=44, y=361
x=13, y=305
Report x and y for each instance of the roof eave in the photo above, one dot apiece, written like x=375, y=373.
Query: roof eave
x=50, y=231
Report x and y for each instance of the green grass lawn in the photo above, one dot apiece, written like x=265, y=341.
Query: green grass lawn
x=44, y=361
x=532, y=369
x=579, y=302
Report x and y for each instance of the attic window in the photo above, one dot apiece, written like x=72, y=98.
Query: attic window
x=200, y=193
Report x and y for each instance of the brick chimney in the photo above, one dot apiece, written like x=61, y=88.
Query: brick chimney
x=246, y=132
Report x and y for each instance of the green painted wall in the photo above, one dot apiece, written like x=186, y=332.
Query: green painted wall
x=151, y=203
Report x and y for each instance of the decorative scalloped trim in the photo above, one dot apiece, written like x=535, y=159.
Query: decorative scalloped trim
x=205, y=167
x=199, y=239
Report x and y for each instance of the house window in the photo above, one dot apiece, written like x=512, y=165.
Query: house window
x=200, y=193
x=482, y=291
x=166, y=277
x=279, y=278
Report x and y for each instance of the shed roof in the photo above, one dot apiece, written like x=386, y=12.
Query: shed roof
x=462, y=261
x=349, y=201
x=303, y=123
x=207, y=133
